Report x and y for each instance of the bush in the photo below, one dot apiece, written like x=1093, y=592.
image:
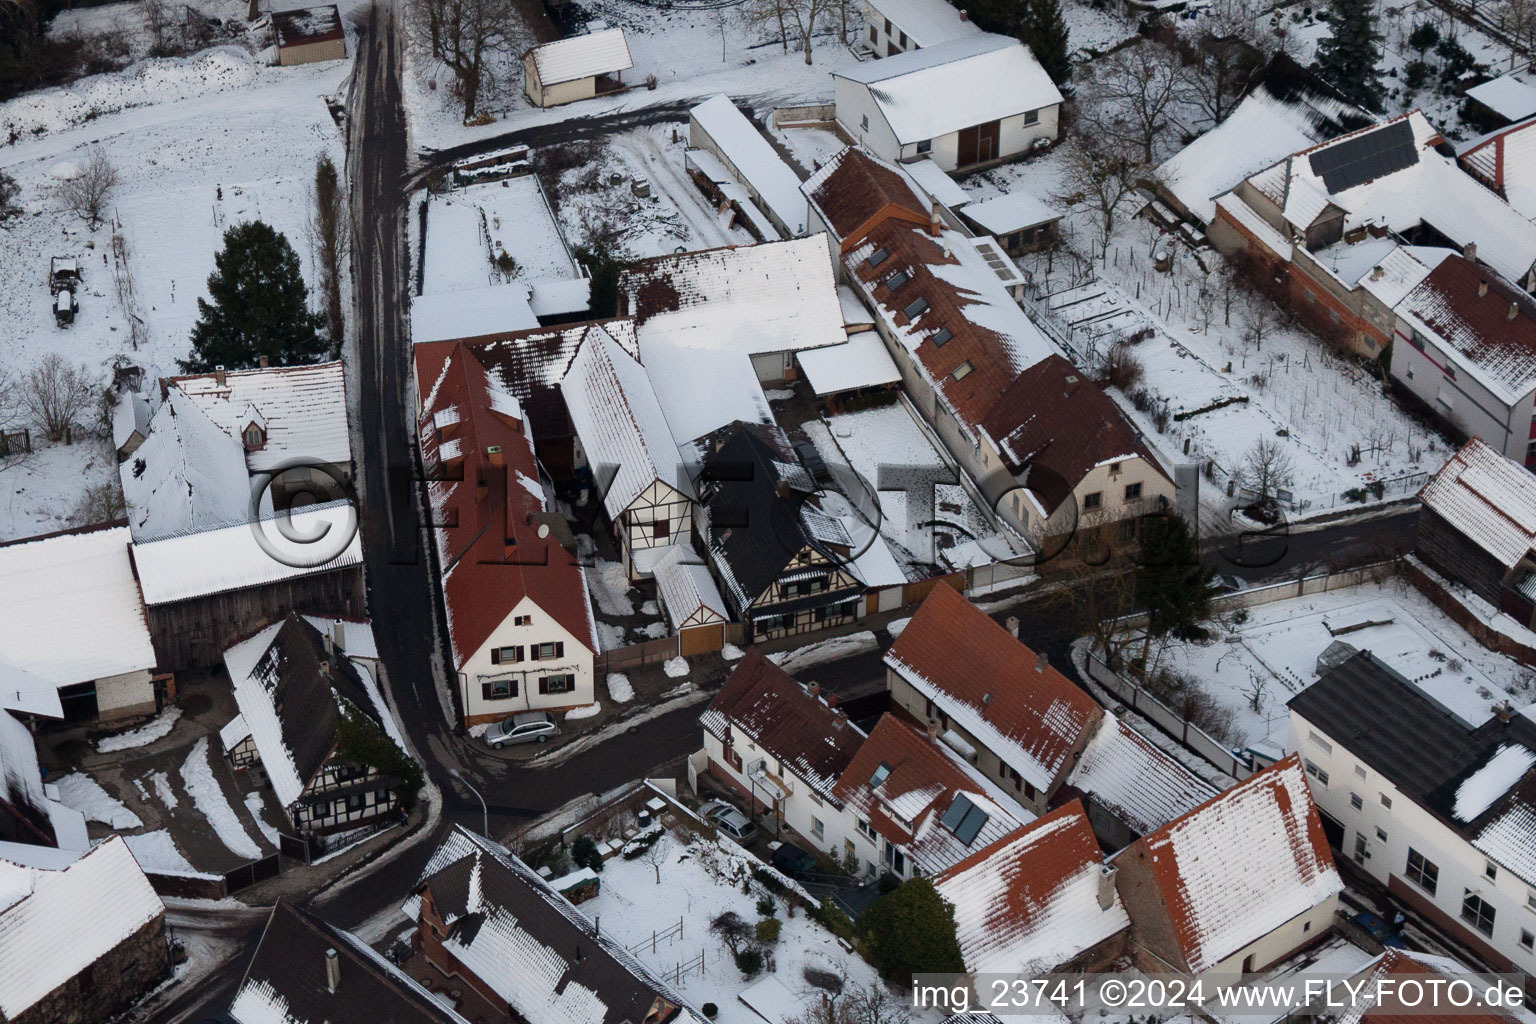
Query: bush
x=770, y=881
x=766, y=907
x=710, y=1010
x=831, y=917
x=584, y=853
x=642, y=842
x=826, y=981
x=911, y=930
x=1121, y=367
x=887, y=883
x=1416, y=75
x=767, y=930
x=749, y=962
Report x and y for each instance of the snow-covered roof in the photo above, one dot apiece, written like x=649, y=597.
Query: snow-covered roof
x=528, y=944
x=1026, y=713
x=234, y=731
x=474, y=313
x=1505, y=161
x=702, y=390
x=1240, y=865
x=926, y=22
x=306, y=25
x=303, y=410
x=70, y=610
x=1245, y=217
x=21, y=780
x=1032, y=901
x=760, y=167
x=1484, y=324
x=1511, y=96
x=233, y=558
x=712, y=167
x=1499, y=772
x=1400, y=271
x=1012, y=212
x=687, y=590
x=56, y=923
x=861, y=362
x=1259, y=132
x=935, y=183
x=623, y=432
x=130, y=415
x=923, y=94
x=582, y=56
x=559, y=296
x=1135, y=781
x=752, y=299
x=189, y=474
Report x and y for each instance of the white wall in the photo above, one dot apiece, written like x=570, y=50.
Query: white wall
x=854, y=105
x=543, y=628
x=1473, y=409
x=1406, y=824
x=132, y=693
x=1014, y=138
x=1299, y=931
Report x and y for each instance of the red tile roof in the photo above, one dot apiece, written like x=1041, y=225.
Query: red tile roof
x=1400, y=965
x=764, y=703
x=993, y=687
x=1030, y=901
x=1469, y=308
x=853, y=188
x=1053, y=418
x=1241, y=864
x=922, y=780
x=489, y=550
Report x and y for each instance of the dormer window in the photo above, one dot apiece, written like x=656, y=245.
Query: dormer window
x=916, y=308
x=940, y=336
x=879, y=256
x=255, y=436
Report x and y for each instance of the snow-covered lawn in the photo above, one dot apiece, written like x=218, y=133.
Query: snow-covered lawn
x=156, y=728
x=1275, y=653
x=84, y=794
x=200, y=144
x=198, y=779
x=832, y=649
x=619, y=688
x=699, y=882
x=469, y=228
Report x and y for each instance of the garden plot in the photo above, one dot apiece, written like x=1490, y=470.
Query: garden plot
x=200, y=144
x=810, y=145
x=1254, y=668
x=889, y=436
x=699, y=881
x=596, y=197
x=470, y=228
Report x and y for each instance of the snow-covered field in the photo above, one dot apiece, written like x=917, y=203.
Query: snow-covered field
x=1275, y=653
x=200, y=143
x=469, y=228
x=699, y=882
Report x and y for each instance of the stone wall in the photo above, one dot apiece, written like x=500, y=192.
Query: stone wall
x=106, y=987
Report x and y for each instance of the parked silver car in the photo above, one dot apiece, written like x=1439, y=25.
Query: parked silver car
x=729, y=820
x=527, y=727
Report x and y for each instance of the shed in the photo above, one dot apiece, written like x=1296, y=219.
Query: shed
x=308, y=35
x=1020, y=222
x=719, y=128
x=576, y=68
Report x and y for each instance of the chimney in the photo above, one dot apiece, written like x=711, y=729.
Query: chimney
x=965, y=15
x=332, y=971
x=1482, y=287
x=1469, y=250
x=263, y=362
x=325, y=663
x=1376, y=273
x=1106, y=886
x=814, y=689
x=1514, y=311
x=935, y=222
x=219, y=376
x=493, y=455
x=1041, y=660
x=339, y=634
x=1505, y=711
x=933, y=732
x=831, y=700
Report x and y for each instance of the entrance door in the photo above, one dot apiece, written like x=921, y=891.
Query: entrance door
x=78, y=701
x=978, y=143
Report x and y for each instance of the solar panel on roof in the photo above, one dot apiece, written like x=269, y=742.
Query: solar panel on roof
x=1365, y=157
x=964, y=819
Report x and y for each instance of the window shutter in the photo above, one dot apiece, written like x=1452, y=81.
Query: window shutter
x=533, y=652
x=485, y=691
x=543, y=684
x=560, y=648
x=495, y=655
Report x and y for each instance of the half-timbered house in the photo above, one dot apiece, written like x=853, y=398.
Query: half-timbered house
x=626, y=451
x=314, y=721
x=784, y=564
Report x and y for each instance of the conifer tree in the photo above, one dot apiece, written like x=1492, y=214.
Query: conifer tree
x=1045, y=33
x=1350, y=55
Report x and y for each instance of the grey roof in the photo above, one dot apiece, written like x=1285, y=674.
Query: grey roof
x=1395, y=729
x=1366, y=156
x=288, y=972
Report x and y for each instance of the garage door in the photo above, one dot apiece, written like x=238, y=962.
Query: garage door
x=701, y=639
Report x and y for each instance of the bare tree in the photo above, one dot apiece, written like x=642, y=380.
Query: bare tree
x=1121, y=368
x=469, y=36
x=100, y=504
x=1518, y=18
x=730, y=929
x=655, y=855
x=88, y=193
x=868, y=1004
x=800, y=16
x=1258, y=685
x=1098, y=175
x=1132, y=95
x=157, y=19
x=55, y=394
x=9, y=193
x=1259, y=321
x=1267, y=469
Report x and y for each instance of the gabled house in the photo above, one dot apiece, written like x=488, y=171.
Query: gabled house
x=305, y=971
x=910, y=807
x=308, y=35
x=626, y=452
x=82, y=934
x=1020, y=721
x=896, y=26
x=314, y=721
x=74, y=641
x=729, y=151
x=520, y=630
x=1440, y=810
x=1326, y=217
x=780, y=745
x=1478, y=528
x=487, y=922
x=1239, y=883
x=28, y=815
x=973, y=100
x=578, y=67
x=1039, y=900
x=784, y=566
x=1465, y=348
x=690, y=600
x=1505, y=161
